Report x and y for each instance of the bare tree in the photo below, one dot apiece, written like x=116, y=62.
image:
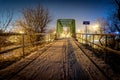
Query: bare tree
x=115, y=18
x=5, y=20
x=103, y=25
x=35, y=20
x=113, y=22
x=118, y=8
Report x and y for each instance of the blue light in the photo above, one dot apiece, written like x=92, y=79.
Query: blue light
x=116, y=32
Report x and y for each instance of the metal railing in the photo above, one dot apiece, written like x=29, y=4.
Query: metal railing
x=15, y=43
x=100, y=41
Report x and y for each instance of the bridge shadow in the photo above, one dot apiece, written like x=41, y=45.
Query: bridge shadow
x=110, y=58
x=75, y=70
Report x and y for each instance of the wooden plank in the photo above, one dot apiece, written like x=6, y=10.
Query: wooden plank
x=62, y=61
x=17, y=67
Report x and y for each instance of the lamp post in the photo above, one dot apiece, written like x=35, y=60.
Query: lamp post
x=86, y=31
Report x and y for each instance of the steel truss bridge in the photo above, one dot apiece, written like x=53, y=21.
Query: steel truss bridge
x=73, y=58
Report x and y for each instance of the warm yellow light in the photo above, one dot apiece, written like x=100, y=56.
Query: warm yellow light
x=68, y=35
x=13, y=39
x=54, y=32
x=62, y=35
x=95, y=27
x=21, y=32
x=78, y=31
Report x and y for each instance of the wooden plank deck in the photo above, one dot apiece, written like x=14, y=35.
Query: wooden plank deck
x=62, y=60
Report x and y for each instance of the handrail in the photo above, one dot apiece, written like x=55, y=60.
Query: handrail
x=104, y=47
x=100, y=34
x=20, y=46
x=9, y=34
x=23, y=43
x=5, y=51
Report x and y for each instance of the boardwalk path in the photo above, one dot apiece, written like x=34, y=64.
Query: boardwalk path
x=62, y=61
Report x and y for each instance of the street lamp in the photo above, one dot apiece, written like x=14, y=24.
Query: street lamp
x=95, y=27
x=86, y=30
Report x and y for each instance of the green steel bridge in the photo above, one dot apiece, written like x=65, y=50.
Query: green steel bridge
x=62, y=23
x=78, y=57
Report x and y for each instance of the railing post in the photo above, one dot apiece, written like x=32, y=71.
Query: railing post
x=90, y=41
x=82, y=38
x=23, y=45
x=79, y=37
x=86, y=39
x=86, y=34
x=105, y=46
x=49, y=37
x=93, y=43
x=106, y=41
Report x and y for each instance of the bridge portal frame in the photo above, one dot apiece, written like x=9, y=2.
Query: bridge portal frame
x=69, y=23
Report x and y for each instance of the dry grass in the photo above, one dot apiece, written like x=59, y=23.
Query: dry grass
x=11, y=57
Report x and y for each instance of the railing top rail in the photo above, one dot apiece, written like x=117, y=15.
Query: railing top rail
x=103, y=47
x=20, y=46
x=99, y=34
x=8, y=34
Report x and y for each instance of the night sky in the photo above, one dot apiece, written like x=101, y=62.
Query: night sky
x=79, y=10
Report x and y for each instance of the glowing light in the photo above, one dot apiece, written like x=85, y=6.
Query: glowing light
x=62, y=35
x=21, y=32
x=13, y=39
x=78, y=31
x=116, y=32
x=68, y=35
x=54, y=32
x=95, y=27
x=65, y=29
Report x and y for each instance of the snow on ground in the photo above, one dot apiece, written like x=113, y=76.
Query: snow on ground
x=62, y=61
x=101, y=63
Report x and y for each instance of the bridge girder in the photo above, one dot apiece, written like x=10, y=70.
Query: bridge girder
x=65, y=22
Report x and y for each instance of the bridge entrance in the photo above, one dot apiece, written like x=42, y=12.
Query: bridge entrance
x=65, y=28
